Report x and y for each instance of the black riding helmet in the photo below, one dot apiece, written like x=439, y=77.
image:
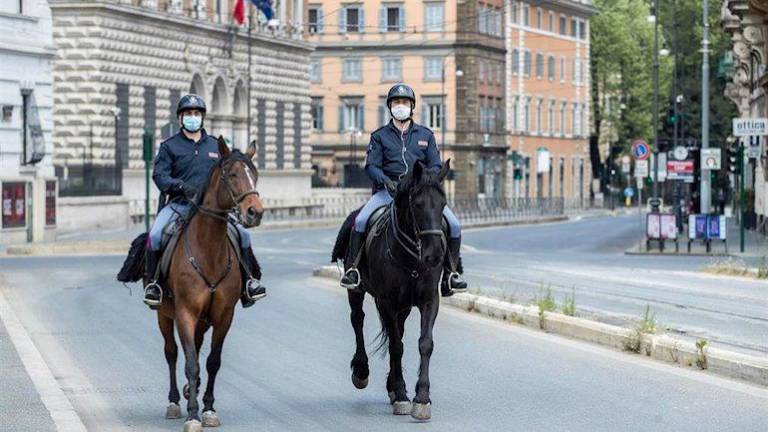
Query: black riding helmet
x=401, y=91
x=189, y=102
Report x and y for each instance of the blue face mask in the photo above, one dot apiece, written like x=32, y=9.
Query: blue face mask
x=192, y=123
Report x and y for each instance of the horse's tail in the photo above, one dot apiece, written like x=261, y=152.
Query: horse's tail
x=133, y=267
x=382, y=339
x=342, y=240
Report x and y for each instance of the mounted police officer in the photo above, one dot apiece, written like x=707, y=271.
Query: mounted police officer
x=181, y=170
x=392, y=153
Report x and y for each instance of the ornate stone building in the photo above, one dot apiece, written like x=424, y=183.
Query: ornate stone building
x=122, y=65
x=747, y=23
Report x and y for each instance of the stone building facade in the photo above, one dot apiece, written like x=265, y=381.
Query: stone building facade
x=548, y=98
x=747, y=23
x=122, y=65
x=27, y=182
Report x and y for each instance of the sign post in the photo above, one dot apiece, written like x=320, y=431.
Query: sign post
x=147, y=156
x=742, y=199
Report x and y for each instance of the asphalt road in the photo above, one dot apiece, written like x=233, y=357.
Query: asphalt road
x=286, y=361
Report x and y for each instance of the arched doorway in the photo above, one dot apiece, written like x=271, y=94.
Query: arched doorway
x=219, y=114
x=240, y=117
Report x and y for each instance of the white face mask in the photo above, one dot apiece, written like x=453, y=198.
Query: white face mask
x=401, y=112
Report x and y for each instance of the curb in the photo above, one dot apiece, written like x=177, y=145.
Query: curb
x=660, y=347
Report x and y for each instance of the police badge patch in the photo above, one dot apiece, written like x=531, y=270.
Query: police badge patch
x=423, y=143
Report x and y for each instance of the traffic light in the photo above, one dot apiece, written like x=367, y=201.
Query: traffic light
x=734, y=164
x=671, y=117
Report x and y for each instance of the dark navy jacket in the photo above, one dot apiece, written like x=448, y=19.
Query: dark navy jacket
x=181, y=160
x=392, y=153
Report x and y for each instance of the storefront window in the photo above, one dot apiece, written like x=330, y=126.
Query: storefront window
x=50, y=203
x=14, y=205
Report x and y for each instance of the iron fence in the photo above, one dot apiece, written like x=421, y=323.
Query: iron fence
x=89, y=180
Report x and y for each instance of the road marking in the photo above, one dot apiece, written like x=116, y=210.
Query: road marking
x=63, y=414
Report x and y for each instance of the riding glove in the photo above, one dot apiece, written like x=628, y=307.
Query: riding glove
x=188, y=191
x=391, y=187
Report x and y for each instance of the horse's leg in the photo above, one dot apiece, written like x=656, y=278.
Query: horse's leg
x=391, y=377
x=359, y=364
x=422, y=405
x=171, y=354
x=186, y=323
x=220, y=329
x=398, y=394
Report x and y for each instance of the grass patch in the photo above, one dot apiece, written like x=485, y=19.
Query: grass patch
x=546, y=303
x=646, y=326
x=737, y=267
x=701, y=353
x=569, y=304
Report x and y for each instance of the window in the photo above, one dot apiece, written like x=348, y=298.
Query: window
x=562, y=118
x=352, y=20
x=583, y=122
x=482, y=19
x=583, y=72
x=391, y=69
x=539, y=19
x=574, y=123
x=539, y=65
x=583, y=30
x=563, y=25
x=316, y=20
x=352, y=70
x=384, y=115
x=562, y=69
x=434, y=16
x=433, y=68
x=515, y=61
x=538, y=128
x=489, y=20
x=551, y=118
x=551, y=23
x=391, y=19
x=526, y=115
x=574, y=27
x=551, y=68
x=433, y=114
x=576, y=70
x=527, y=65
x=315, y=71
x=562, y=176
x=525, y=15
x=316, y=108
x=513, y=125
x=351, y=114
x=481, y=71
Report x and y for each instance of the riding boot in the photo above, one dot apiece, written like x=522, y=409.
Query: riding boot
x=253, y=290
x=153, y=293
x=452, y=280
x=351, y=279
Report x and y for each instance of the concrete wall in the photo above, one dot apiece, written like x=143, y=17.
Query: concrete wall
x=92, y=214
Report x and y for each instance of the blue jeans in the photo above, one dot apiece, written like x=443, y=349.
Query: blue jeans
x=382, y=198
x=171, y=212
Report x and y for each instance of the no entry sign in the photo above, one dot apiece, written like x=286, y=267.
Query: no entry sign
x=640, y=150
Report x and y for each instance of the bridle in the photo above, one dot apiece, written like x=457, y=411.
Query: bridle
x=222, y=215
x=412, y=245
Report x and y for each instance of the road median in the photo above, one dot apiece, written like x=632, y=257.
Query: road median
x=660, y=347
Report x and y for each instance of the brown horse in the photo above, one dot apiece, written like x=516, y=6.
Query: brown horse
x=205, y=282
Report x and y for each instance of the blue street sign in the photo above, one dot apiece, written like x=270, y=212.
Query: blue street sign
x=629, y=192
x=640, y=150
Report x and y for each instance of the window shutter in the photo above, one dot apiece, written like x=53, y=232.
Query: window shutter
x=320, y=21
x=382, y=19
x=361, y=116
x=425, y=115
x=361, y=19
x=381, y=116
x=343, y=21
x=401, y=20
x=341, y=117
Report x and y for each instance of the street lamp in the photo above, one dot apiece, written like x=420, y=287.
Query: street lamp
x=118, y=157
x=664, y=52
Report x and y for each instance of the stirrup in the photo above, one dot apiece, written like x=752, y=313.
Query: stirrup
x=450, y=287
x=153, y=303
x=352, y=287
x=251, y=282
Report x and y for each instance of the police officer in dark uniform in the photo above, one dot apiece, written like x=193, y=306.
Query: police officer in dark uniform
x=392, y=152
x=181, y=170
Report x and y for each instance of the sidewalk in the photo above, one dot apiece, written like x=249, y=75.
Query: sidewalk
x=21, y=408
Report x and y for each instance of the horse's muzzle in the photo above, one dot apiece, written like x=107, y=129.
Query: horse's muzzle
x=253, y=217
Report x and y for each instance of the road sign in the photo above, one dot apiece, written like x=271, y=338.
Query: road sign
x=753, y=149
x=681, y=153
x=629, y=192
x=680, y=170
x=641, y=168
x=661, y=175
x=625, y=167
x=640, y=150
x=750, y=126
x=710, y=158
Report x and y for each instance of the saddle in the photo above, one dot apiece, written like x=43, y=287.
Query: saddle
x=170, y=239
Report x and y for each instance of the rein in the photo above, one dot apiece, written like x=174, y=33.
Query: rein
x=223, y=216
x=410, y=244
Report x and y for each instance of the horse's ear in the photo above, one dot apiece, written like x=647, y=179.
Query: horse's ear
x=251, y=151
x=418, y=170
x=444, y=171
x=223, y=147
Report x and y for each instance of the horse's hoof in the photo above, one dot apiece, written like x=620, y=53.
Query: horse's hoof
x=391, y=397
x=211, y=419
x=186, y=391
x=359, y=383
x=421, y=411
x=173, y=411
x=193, y=426
x=401, y=408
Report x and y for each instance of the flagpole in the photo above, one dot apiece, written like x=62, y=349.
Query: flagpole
x=250, y=43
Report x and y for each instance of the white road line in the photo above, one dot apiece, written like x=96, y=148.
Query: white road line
x=57, y=404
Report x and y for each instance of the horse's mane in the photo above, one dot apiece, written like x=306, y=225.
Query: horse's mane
x=428, y=179
x=234, y=155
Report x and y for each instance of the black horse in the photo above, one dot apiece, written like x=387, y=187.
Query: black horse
x=402, y=268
